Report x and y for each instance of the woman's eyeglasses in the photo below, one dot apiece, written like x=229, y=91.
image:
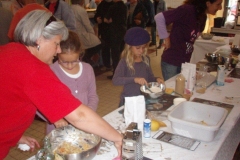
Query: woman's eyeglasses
x=51, y=19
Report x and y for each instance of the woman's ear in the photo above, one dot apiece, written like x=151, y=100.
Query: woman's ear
x=38, y=42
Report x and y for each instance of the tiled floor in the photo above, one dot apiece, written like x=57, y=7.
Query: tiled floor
x=108, y=101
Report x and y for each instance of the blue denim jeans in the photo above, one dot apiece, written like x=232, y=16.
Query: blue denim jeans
x=169, y=70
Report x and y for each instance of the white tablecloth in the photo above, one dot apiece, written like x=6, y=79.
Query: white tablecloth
x=222, y=147
x=201, y=47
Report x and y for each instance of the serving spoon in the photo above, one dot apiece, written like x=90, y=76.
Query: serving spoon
x=148, y=88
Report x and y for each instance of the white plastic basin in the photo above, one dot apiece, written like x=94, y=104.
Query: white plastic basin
x=196, y=120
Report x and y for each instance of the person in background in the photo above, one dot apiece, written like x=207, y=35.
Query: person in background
x=188, y=22
x=137, y=14
x=61, y=10
x=29, y=6
x=5, y=21
x=150, y=10
x=159, y=6
x=91, y=5
x=98, y=2
x=90, y=42
x=104, y=31
x=117, y=18
x=16, y=5
x=28, y=84
x=76, y=75
x=134, y=68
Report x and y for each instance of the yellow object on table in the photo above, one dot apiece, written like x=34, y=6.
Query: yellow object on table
x=169, y=90
x=155, y=125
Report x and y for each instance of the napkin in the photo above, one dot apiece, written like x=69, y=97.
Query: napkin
x=24, y=147
x=135, y=110
x=189, y=72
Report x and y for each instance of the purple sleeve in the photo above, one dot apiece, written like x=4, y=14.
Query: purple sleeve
x=120, y=78
x=151, y=77
x=92, y=94
x=41, y=116
x=161, y=26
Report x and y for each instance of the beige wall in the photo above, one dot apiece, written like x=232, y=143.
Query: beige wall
x=210, y=20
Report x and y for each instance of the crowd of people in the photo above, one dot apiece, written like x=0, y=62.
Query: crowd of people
x=45, y=59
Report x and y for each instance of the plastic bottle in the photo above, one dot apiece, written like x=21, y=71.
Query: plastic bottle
x=180, y=84
x=220, y=75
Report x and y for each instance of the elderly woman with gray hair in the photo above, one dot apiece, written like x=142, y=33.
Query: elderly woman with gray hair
x=28, y=84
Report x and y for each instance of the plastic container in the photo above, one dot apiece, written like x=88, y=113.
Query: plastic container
x=147, y=128
x=180, y=84
x=196, y=120
x=220, y=75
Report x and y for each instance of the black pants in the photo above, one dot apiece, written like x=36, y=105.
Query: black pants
x=106, y=50
x=117, y=46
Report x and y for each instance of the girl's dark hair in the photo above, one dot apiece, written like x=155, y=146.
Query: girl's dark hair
x=72, y=43
x=200, y=5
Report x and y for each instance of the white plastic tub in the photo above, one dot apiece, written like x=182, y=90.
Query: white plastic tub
x=196, y=120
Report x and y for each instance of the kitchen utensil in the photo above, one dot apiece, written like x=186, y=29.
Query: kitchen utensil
x=148, y=88
x=227, y=61
x=90, y=143
x=207, y=36
x=212, y=57
x=196, y=120
x=155, y=87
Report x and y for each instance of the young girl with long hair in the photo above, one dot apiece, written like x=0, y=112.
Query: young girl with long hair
x=134, y=68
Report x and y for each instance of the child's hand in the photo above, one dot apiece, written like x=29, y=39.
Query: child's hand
x=159, y=80
x=61, y=123
x=31, y=142
x=140, y=81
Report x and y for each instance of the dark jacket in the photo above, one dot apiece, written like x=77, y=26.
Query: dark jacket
x=64, y=12
x=150, y=9
x=159, y=6
x=102, y=11
x=139, y=12
x=118, y=13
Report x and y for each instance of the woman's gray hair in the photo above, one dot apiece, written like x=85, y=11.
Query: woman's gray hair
x=32, y=26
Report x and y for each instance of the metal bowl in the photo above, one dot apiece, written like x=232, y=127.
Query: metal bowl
x=213, y=57
x=207, y=36
x=156, y=88
x=235, y=49
x=77, y=138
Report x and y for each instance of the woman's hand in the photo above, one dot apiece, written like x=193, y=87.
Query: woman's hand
x=99, y=20
x=140, y=81
x=167, y=43
x=137, y=21
x=107, y=20
x=31, y=142
x=118, y=145
x=159, y=80
x=61, y=123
